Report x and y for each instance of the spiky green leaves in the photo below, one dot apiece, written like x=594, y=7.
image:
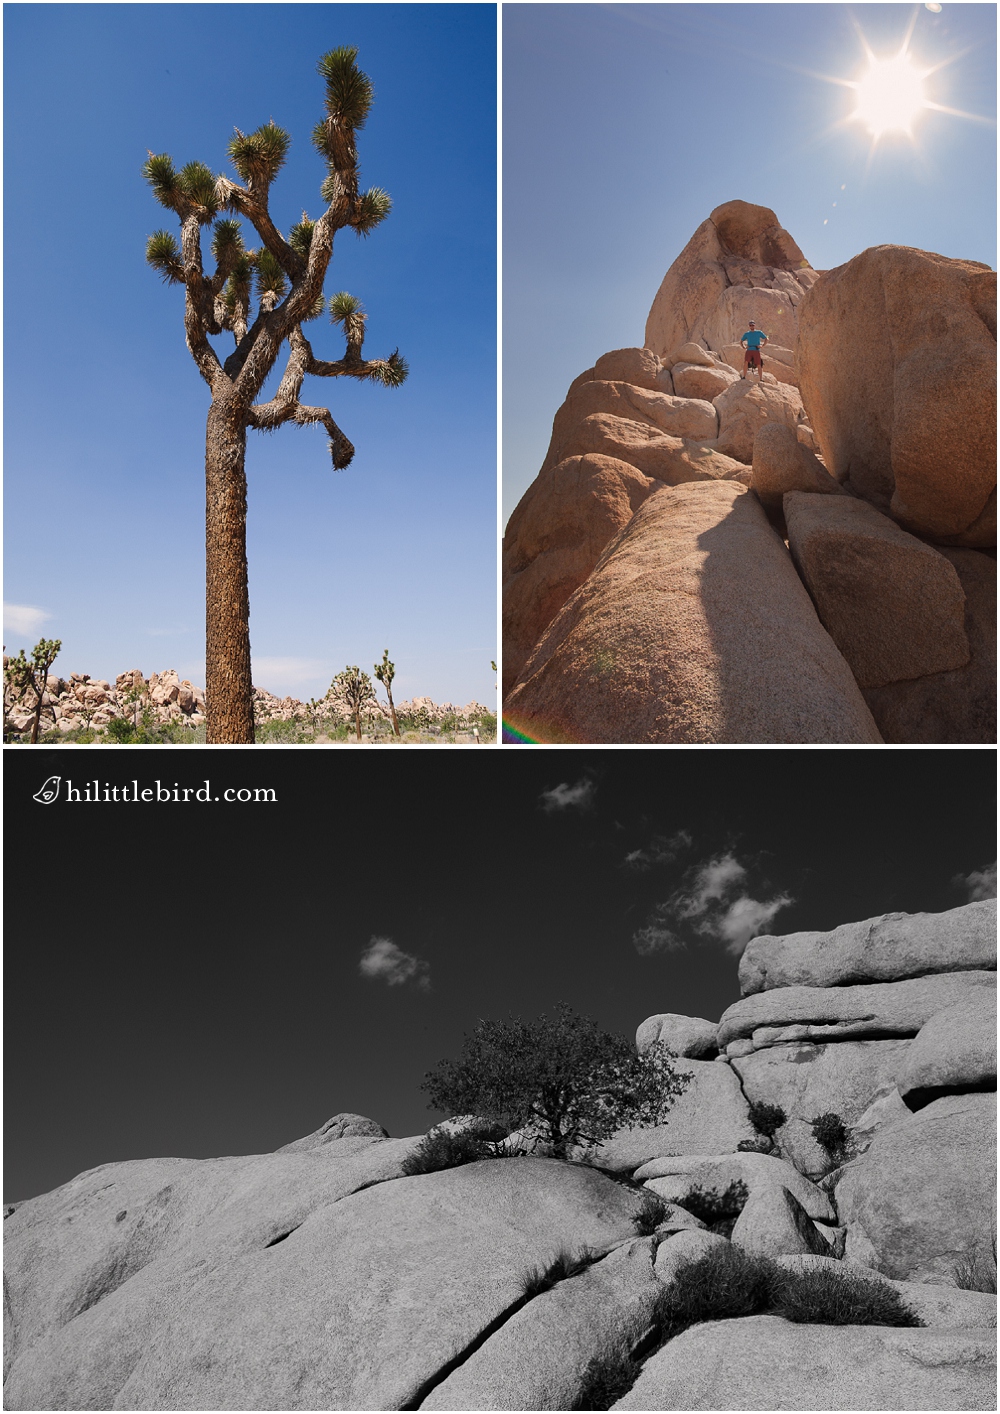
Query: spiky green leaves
x=236, y=294
x=259, y=156
x=270, y=276
x=374, y=206
x=349, y=313
x=349, y=92
x=189, y=191
x=197, y=183
x=227, y=241
x=390, y=372
x=163, y=254
x=300, y=236
x=159, y=172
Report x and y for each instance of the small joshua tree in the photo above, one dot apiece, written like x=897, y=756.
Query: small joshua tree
x=357, y=691
x=24, y=677
x=286, y=275
x=385, y=672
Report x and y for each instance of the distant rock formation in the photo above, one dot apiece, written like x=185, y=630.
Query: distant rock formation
x=870, y=442
x=81, y=702
x=322, y=1277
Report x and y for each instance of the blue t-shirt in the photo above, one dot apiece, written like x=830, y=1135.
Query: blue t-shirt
x=753, y=338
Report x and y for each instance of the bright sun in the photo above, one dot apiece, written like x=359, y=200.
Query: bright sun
x=890, y=95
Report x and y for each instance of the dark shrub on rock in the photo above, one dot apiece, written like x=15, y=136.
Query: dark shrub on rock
x=441, y=1150
x=839, y=1298
x=830, y=1133
x=718, y=1211
x=766, y=1119
x=606, y=1379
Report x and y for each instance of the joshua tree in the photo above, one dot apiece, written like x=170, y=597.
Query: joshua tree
x=23, y=675
x=358, y=693
x=385, y=672
x=286, y=274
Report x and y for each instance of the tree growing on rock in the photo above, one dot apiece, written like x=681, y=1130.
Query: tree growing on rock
x=560, y=1077
x=284, y=275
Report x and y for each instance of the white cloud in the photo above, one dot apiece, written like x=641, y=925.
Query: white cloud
x=660, y=850
x=383, y=961
x=566, y=797
x=24, y=618
x=284, y=676
x=980, y=883
x=714, y=903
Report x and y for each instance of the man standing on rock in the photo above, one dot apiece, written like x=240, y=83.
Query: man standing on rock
x=753, y=341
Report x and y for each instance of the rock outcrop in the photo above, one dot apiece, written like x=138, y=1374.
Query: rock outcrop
x=884, y=457
x=897, y=355
x=329, y=1275
x=692, y=627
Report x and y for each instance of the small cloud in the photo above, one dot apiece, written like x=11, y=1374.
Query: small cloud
x=656, y=937
x=660, y=850
x=715, y=903
x=980, y=884
x=24, y=618
x=566, y=797
x=383, y=961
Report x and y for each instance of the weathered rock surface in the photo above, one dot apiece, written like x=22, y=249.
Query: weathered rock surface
x=855, y=1079
x=763, y=1362
x=960, y=705
x=537, y=1357
x=694, y=380
x=554, y=539
x=342, y=1126
x=684, y=1035
x=674, y=1178
x=888, y=948
x=678, y=417
x=955, y=1051
x=921, y=1201
x=894, y=607
x=781, y=463
x=693, y=627
x=670, y=459
x=878, y=1010
x=738, y=265
x=273, y=1283
x=774, y=1224
x=710, y=1117
x=640, y=367
x=746, y=406
x=908, y=420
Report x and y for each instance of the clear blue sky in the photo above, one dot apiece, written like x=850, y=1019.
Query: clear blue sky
x=105, y=412
x=626, y=125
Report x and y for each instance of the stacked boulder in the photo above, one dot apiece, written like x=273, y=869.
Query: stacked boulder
x=850, y=597
x=337, y=1274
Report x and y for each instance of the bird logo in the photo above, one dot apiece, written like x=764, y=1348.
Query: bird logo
x=49, y=791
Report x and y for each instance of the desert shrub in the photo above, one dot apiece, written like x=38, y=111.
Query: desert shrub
x=760, y=1145
x=650, y=1215
x=726, y=1282
x=838, y=1298
x=441, y=1150
x=718, y=1211
x=766, y=1119
x=975, y=1271
x=830, y=1132
x=561, y=1267
x=120, y=729
x=605, y=1380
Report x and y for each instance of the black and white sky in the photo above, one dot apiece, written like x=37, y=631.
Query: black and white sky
x=208, y=978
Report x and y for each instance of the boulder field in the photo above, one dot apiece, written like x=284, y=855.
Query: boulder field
x=322, y=1277
x=869, y=443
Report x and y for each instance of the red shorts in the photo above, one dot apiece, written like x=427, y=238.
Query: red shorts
x=753, y=358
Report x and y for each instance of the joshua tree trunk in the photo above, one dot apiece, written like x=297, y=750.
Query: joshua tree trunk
x=288, y=276
x=228, y=683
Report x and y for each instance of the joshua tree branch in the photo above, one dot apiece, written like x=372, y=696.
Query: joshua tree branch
x=199, y=314
x=238, y=199
x=267, y=416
